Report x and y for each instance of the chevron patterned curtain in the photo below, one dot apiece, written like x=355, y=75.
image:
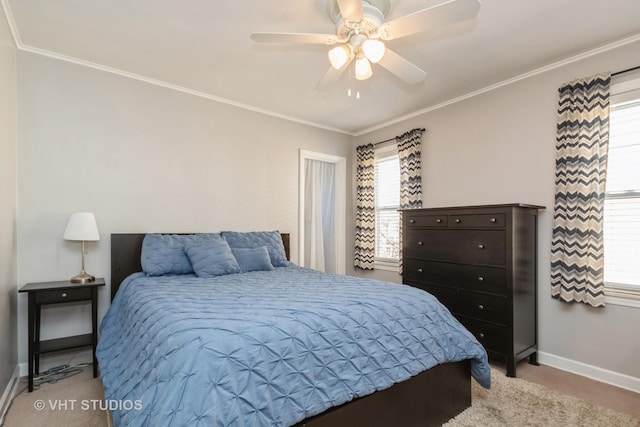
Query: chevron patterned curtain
x=409, y=149
x=577, y=251
x=365, y=209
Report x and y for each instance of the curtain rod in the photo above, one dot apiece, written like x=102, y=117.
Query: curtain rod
x=391, y=139
x=625, y=71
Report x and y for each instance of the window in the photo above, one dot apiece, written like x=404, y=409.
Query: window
x=622, y=197
x=387, y=201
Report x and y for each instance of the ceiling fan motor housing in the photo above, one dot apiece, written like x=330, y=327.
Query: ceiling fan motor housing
x=374, y=12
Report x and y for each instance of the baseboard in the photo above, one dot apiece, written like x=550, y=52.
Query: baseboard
x=9, y=393
x=603, y=375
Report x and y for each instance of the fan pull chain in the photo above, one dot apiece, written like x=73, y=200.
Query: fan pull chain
x=357, y=93
x=352, y=81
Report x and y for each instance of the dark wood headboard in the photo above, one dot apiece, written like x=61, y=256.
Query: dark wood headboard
x=126, y=249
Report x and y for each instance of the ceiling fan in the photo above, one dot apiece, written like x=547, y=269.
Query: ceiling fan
x=361, y=32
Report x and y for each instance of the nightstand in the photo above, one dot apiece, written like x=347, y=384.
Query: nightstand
x=57, y=293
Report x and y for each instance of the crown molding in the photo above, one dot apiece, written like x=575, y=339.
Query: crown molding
x=537, y=71
x=161, y=83
x=12, y=24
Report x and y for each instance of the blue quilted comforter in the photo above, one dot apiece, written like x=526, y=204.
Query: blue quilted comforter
x=267, y=348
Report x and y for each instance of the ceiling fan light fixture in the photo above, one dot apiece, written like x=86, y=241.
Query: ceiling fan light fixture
x=363, y=68
x=340, y=55
x=373, y=50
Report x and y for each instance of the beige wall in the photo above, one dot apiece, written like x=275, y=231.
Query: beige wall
x=143, y=158
x=8, y=251
x=499, y=147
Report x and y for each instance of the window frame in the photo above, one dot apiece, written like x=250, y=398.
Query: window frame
x=385, y=151
x=624, y=89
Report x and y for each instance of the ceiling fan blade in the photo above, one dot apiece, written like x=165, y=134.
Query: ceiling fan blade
x=402, y=68
x=351, y=10
x=305, y=38
x=431, y=18
x=330, y=78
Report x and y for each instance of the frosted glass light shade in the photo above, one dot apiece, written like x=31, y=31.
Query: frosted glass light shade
x=82, y=227
x=363, y=69
x=373, y=50
x=339, y=56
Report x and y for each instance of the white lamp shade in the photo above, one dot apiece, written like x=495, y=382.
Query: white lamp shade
x=363, y=69
x=373, y=50
x=339, y=56
x=82, y=226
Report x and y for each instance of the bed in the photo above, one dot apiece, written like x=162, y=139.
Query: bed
x=351, y=356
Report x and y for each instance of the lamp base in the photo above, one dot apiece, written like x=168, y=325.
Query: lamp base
x=82, y=277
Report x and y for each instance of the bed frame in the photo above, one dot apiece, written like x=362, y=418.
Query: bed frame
x=430, y=398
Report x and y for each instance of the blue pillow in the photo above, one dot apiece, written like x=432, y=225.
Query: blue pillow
x=253, y=259
x=212, y=259
x=255, y=239
x=163, y=254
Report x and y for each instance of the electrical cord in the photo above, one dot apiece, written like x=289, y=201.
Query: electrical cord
x=55, y=374
x=50, y=376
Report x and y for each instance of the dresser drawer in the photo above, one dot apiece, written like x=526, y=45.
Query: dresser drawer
x=463, y=246
x=477, y=220
x=427, y=221
x=479, y=306
x=475, y=278
x=492, y=337
x=63, y=295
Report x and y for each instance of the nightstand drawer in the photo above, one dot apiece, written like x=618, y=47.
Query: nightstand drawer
x=63, y=295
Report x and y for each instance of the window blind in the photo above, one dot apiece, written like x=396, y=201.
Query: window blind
x=387, y=196
x=622, y=199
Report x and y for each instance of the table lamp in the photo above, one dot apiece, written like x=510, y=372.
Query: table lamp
x=82, y=227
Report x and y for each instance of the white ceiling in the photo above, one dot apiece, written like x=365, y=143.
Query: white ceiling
x=203, y=46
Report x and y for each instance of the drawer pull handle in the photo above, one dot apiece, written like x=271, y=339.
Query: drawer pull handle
x=480, y=246
x=481, y=335
x=458, y=220
x=480, y=279
x=64, y=295
x=438, y=220
x=420, y=243
x=419, y=270
x=492, y=220
x=481, y=307
x=412, y=221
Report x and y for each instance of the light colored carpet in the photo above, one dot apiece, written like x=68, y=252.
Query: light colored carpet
x=51, y=405
x=510, y=402
x=516, y=402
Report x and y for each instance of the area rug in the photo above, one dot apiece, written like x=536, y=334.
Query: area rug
x=516, y=402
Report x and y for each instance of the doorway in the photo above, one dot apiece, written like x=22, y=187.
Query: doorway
x=322, y=211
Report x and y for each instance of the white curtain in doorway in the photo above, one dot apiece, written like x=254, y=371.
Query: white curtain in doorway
x=320, y=196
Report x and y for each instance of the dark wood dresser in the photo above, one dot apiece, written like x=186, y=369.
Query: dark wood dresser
x=480, y=262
